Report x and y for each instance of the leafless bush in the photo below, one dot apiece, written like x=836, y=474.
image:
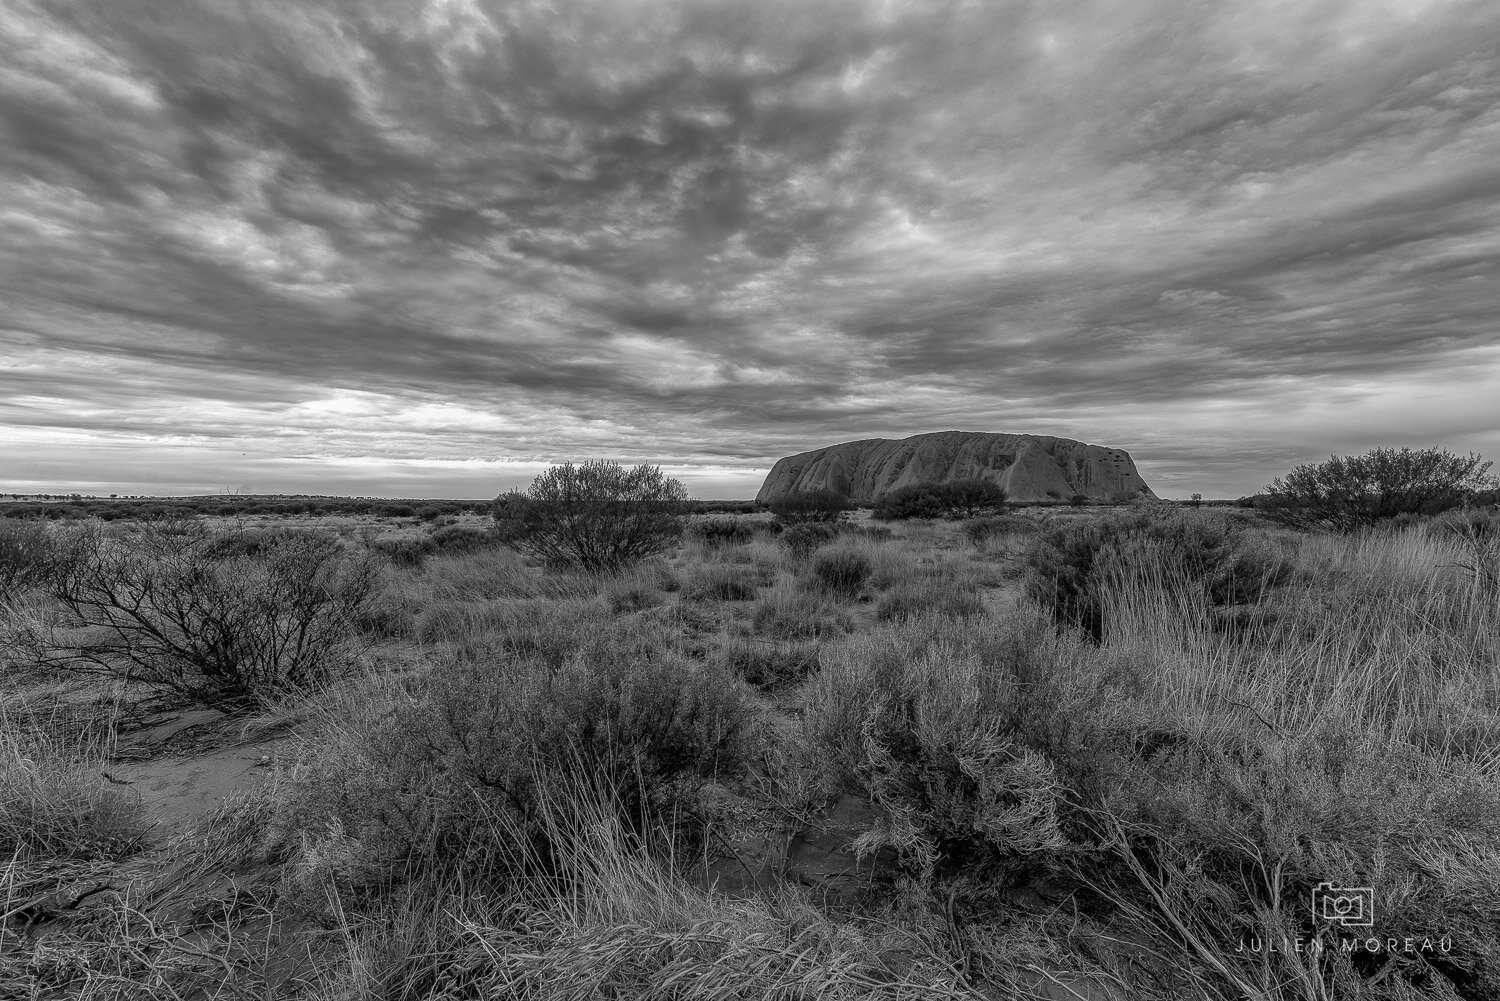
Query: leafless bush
x=212, y=618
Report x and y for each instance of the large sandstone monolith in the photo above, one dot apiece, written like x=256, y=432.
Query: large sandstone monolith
x=1030, y=467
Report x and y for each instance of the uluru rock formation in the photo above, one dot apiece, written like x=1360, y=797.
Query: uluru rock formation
x=1030, y=467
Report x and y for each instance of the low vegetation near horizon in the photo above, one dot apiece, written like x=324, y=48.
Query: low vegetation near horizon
x=589, y=744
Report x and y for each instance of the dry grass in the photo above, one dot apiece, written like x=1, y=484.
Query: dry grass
x=721, y=581
x=609, y=917
x=1170, y=792
x=787, y=612
x=54, y=802
x=62, y=824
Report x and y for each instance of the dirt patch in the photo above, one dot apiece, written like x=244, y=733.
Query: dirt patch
x=186, y=766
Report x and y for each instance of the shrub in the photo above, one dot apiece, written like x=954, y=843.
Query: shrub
x=462, y=539
x=426, y=774
x=914, y=501
x=213, y=619
x=914, y=718
x=408, y=553
x=842, y=571
x=33, y=554
x=803, y=539
x=719, y=532
x=810, y=507
x=1348, y=492
x=392, y=608
x=954, y=499
x=25, y=553
x=597, y=515
x=1069, y=565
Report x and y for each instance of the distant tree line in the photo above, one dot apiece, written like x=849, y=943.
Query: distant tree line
x=63, y=508
x=149, y=508
x=956, y=499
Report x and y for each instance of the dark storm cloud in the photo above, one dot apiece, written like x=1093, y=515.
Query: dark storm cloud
x=722, y=231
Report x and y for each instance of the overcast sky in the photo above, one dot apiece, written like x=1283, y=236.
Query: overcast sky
x=427, y=247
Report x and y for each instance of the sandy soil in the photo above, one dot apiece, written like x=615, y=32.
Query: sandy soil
x=187, y=765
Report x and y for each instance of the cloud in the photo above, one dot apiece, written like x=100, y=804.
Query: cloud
x=712, y=232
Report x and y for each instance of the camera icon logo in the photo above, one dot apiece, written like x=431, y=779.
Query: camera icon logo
x=1346, y=906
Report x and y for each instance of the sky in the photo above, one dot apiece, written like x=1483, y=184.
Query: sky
x=426, y=248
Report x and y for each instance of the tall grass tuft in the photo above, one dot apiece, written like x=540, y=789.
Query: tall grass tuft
x=1201, y=554
x=609, y=916
x=54, y=804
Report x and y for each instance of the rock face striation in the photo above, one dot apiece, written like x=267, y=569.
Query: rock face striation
x=1029, y=467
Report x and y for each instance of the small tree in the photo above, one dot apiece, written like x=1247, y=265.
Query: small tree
x=973, y=498
x=1348, y=492
x=596, y=515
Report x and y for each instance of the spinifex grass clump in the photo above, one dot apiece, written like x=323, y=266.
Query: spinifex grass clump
x=928, y=595
x=841, y=571
x=602, y=916
x=804, y=538
x=787, y=612
x=979, y=531
x=54, y=804
x=1201, y=557
x=951, y=728
x=1350, y=741
x=422, y=771
x=717, y=533
x=720, y=582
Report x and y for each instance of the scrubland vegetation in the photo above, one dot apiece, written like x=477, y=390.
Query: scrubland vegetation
x=1045, y=754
